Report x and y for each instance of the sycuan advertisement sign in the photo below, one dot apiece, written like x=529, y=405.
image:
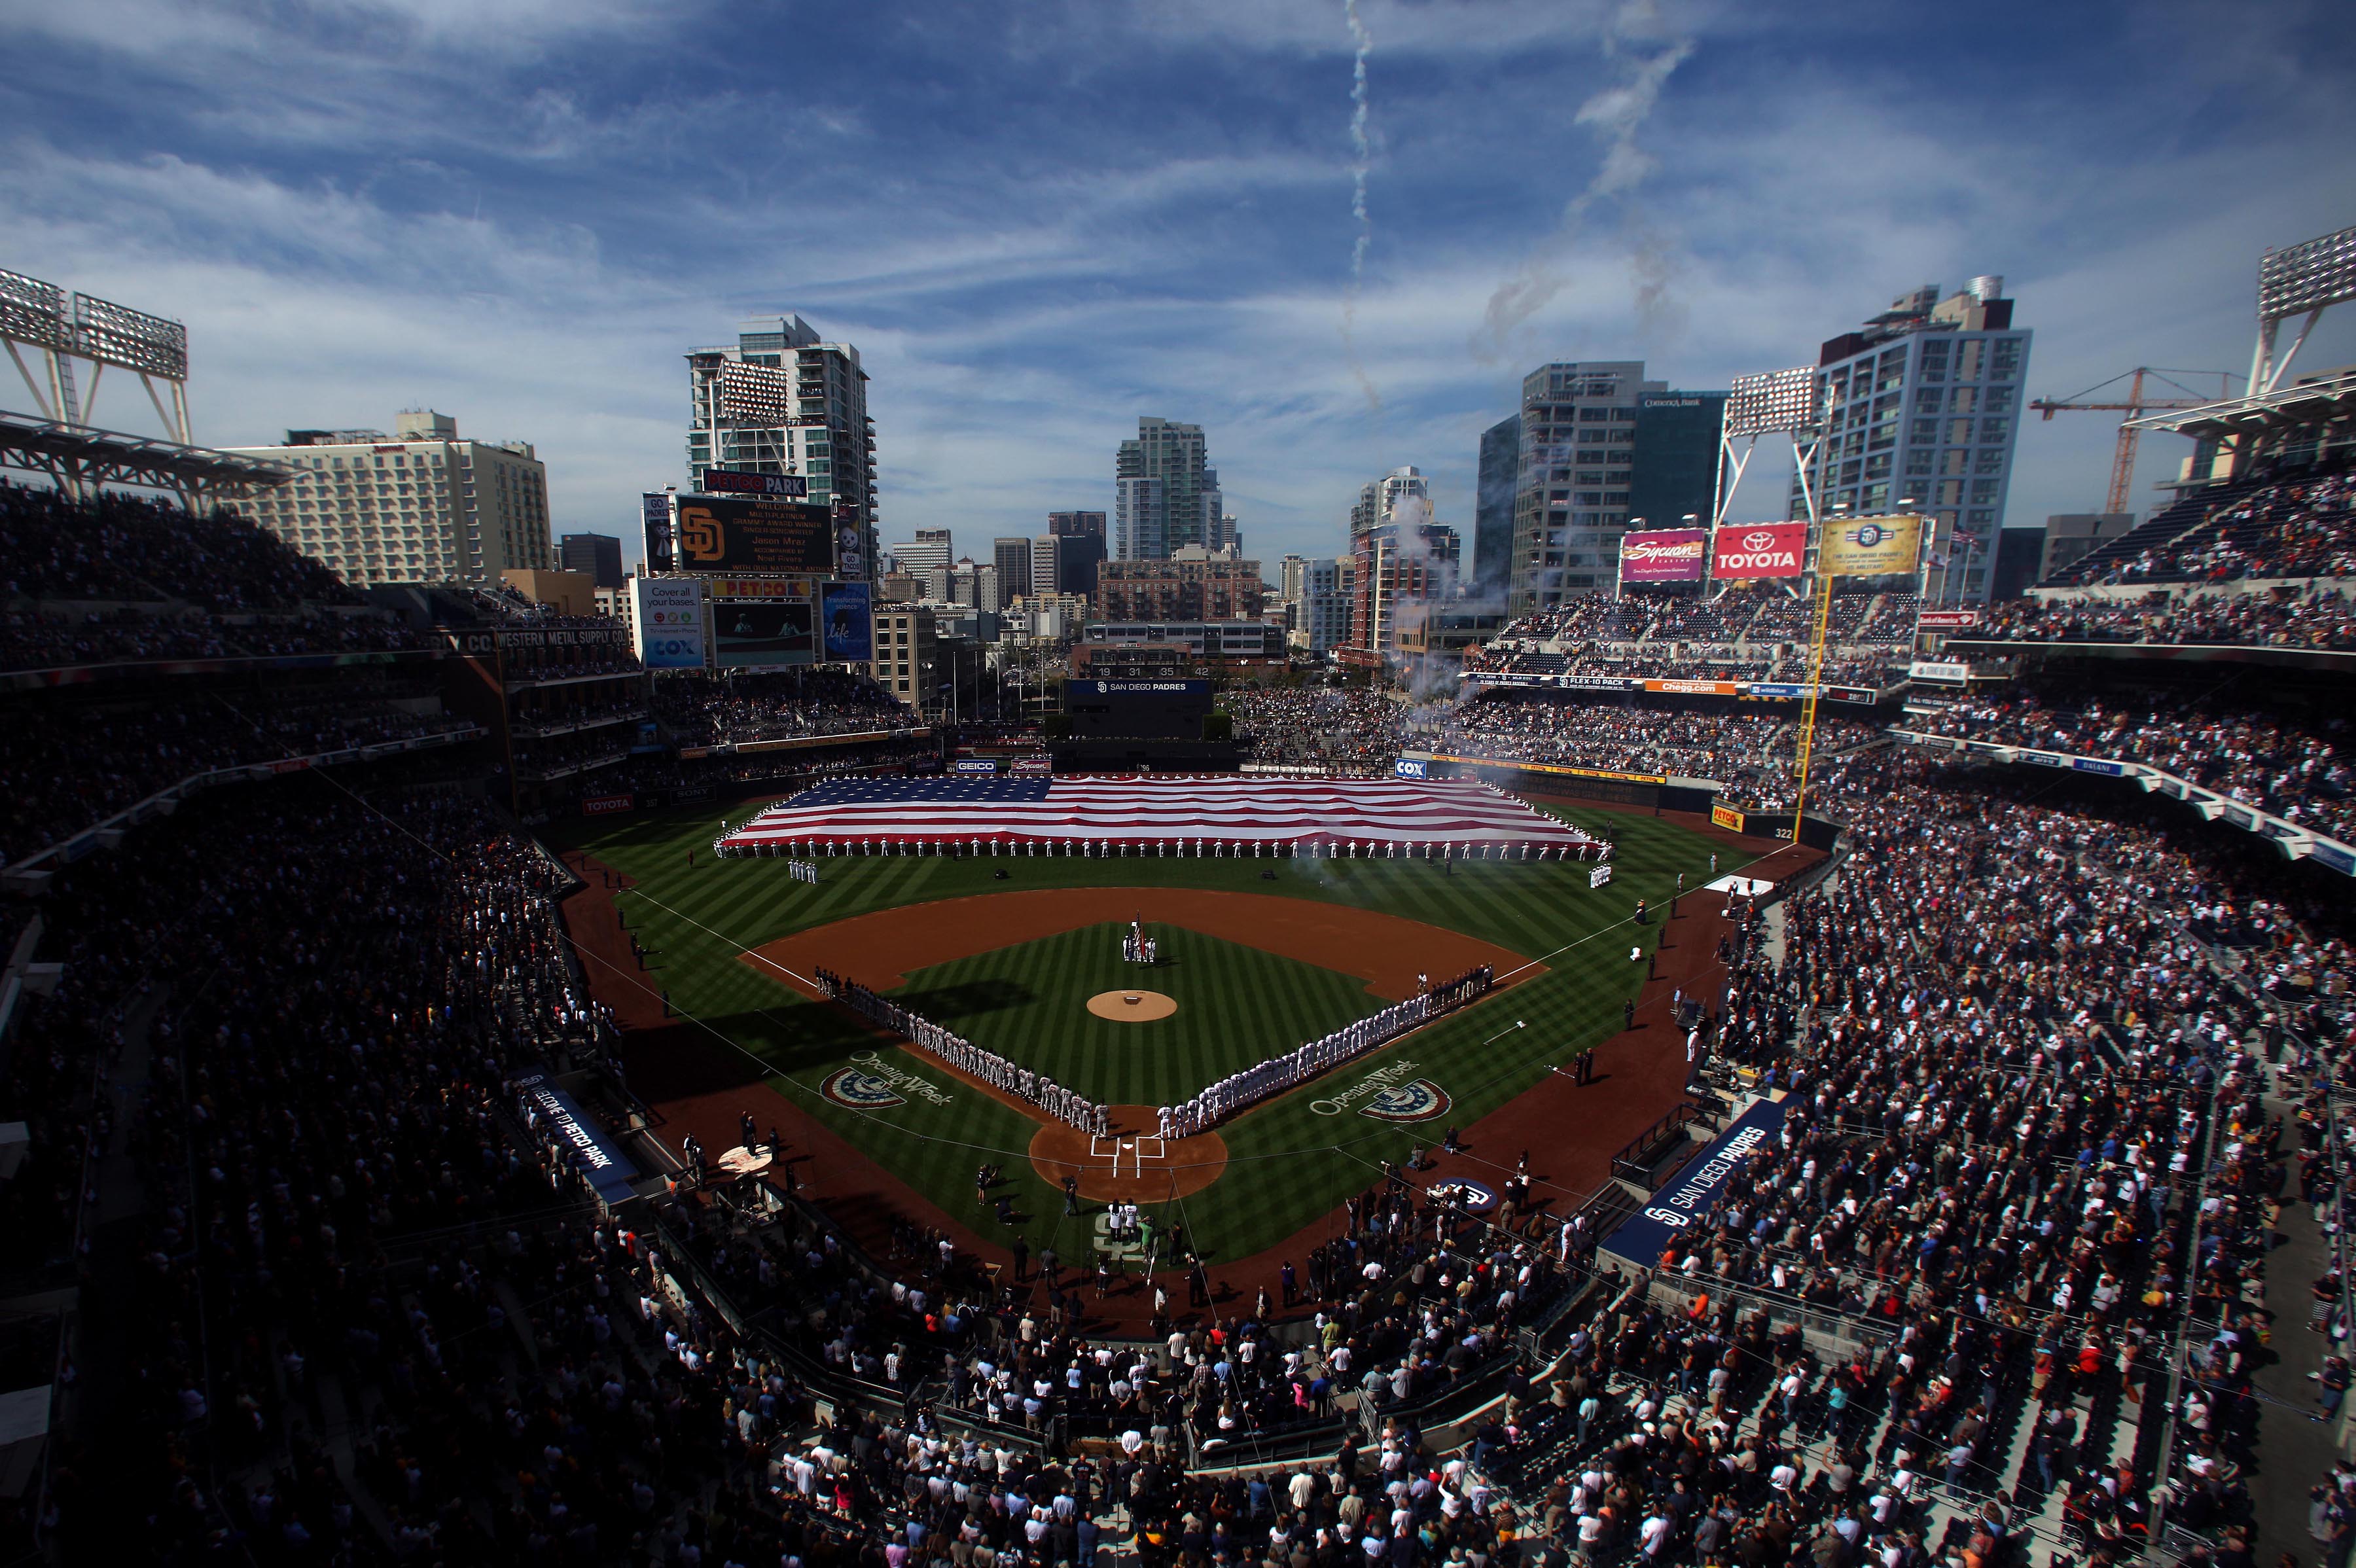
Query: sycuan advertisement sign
x=1664, y=555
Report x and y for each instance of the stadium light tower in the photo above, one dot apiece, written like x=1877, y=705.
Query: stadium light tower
x=1774, y=403
x=62, y=326
x=2310, y=277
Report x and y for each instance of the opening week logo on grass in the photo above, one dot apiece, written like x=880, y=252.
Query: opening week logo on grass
x=1419, y=1100
x=1389, y=1095
x=874, y=1085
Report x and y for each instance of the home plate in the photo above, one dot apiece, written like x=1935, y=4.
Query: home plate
x=1748, y=887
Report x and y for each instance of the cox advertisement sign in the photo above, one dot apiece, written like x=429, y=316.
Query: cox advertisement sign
x=1759, y=550
x=1663, y=556
x=1412, y=768
x=671, y=622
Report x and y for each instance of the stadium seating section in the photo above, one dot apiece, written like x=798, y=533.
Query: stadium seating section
x=118, y=578
x=2048, y=1053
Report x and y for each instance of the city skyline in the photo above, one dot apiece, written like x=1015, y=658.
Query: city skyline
x=351, y=216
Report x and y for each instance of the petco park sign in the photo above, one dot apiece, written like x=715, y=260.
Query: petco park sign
x=1759, y=550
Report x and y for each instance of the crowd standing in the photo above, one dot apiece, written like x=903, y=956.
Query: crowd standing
x=74, y=759
x=2322, y=618
x=2290, y=767
x=1318, y=727
x=702, y=708
x=2300, y=527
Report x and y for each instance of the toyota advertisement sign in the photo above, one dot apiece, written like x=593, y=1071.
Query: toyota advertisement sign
x=1759, y=550
x=1664, y=555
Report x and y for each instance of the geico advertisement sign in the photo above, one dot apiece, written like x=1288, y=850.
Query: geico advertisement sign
x=1759, y=550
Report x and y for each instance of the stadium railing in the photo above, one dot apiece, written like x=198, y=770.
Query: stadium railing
x=2293, y=839
x=95, y=836
x=1638, y=1158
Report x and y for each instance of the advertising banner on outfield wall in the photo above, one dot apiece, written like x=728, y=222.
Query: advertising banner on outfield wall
x=1726, y=817
x=1870, y=546
x=1947, y=620
x=1694, y=688
x=1664, y=555
x=1759, y=549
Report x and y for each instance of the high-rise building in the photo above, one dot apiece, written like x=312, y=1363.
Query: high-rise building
x=1493, y=508
x=598, y=554
x=1377, y=500
x=1921, y=408
x=1164, y=494
x=1078, y=554
x=1320, y=609
x=1013, y=559
x=929, y=549
x=1677, y=454
x=777, y=401
x=417, y=506
x=979, y=585
x=1587, y=450
x=1292, y=579
x=1403, y=570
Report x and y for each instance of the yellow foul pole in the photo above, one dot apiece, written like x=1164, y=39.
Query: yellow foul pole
x=1809, y=696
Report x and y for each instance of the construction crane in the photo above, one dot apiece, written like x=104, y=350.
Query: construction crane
x=2136, y=405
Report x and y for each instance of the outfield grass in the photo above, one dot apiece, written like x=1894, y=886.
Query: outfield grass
x=1236, y=1005
x=1288, y=1165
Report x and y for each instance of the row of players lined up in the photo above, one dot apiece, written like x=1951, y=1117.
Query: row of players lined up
x=1066, y=1105
x=1240, y=1092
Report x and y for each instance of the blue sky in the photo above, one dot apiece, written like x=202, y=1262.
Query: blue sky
x=1040, y=220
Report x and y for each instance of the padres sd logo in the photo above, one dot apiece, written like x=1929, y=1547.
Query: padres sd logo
x=1465, y=1193
x=860, y=1090
x=1419, y=1101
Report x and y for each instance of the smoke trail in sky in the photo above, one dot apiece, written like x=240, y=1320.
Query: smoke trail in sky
x=1618, y=112
x=1361, y=150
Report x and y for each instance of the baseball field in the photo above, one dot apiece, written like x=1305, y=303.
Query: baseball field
x=1253, y=958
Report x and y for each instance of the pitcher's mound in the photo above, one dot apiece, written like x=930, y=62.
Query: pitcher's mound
x=1129, y=1165
x=1131, y=1006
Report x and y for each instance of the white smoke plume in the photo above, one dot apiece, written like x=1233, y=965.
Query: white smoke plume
x=1618, y=112
x=1362, y=151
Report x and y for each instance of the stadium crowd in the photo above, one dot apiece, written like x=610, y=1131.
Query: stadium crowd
x=2289, y=767
x=708, y=709
x=1316, y=726
x=1744, y=635
x=71, y=765
x=2301, y=527
x=1755, y=756
x=116, y=577
x=2322, y=619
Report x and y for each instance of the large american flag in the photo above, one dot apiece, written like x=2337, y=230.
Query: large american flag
x=1173, y=810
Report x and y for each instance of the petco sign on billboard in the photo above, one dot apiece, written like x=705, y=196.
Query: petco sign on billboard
x=1664, y=555
x=1759, y=550
x=671, y=622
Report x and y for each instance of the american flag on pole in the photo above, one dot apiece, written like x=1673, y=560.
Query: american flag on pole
x=1181, y=810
